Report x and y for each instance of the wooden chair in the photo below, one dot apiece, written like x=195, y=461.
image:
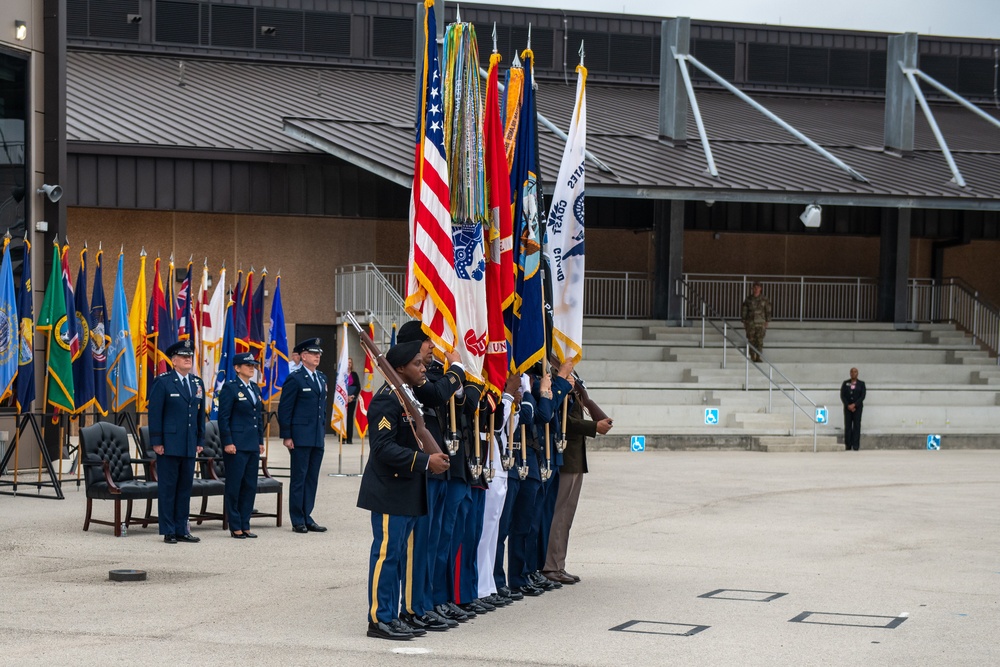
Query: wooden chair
x=215, y=468
x=108, y=473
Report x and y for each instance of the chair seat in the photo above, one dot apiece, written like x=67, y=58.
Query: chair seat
x=268, y=485
x=208, y=487
x=131, y=490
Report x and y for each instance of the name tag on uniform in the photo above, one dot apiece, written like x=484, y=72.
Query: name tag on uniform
x=242, y=398
x=306, y=389
x=175, y=395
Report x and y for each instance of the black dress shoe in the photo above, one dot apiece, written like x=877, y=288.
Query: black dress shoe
x=497, y=600
x=188, y=538
x=170, y=539
x=399, y=626
x=514, y=595
x=446, y=612
x=425, y=622
x=239, y=536
x=300, y=529
x=247, y=533
x=450, y=622
x=315, y=528
x=484, y=604
x=386, y=631
x=457, y=609
x=531, y=591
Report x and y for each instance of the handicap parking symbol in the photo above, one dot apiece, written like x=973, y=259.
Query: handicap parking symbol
x=933, y=443
x=712, y=416
x=822, y=416
x=638, y=443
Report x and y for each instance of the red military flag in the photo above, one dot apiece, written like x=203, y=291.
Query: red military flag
x=365, y=397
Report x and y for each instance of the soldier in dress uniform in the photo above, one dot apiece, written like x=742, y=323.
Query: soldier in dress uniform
x=394, y=489
x=241, y=427
x=756, y=313
x=176, y=433
x=302, y=423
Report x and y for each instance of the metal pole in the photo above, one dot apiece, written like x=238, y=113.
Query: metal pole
x=697, y=113
x=626, y=296
x=958, y=98
x=857, y=303
x=746, y=380
x=802, y=296
x=725, y=340
x=703, y=309
x=959, y=181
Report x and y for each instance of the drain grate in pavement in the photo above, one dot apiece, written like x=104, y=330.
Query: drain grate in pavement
x=659, y=628
x=742, y=595
x=849, y=620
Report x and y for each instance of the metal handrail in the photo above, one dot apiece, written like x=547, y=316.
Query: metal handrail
x=743, y=345
x=363, y=288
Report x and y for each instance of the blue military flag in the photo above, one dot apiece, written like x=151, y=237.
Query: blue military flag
x=8, y=325
x=226, y=370
x=276, y=363
x=99, y=340
x=83, y=365
x=526, y=318
x=123, y=383
x=26, y=349
x=255, y=338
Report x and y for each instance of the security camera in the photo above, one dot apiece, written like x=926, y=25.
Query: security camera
x=53, y=192
x=134, y=18
x=812, y=216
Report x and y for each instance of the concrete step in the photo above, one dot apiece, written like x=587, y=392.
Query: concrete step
x=798, y=443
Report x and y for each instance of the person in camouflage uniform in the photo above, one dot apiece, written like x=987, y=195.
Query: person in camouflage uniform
x=756, y=313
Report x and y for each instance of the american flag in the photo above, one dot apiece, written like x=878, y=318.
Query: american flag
x=431, y=281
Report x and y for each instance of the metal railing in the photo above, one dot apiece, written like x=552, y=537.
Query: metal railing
x=365, y=288
x=710, y=316
x=621, y=294
x=956, y=302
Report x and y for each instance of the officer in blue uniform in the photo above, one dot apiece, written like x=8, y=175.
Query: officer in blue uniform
x=176, y=432
x=394, y=489
x=241, y=426
x=302, y=423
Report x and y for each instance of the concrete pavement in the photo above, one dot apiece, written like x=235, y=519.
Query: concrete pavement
x=884, y=534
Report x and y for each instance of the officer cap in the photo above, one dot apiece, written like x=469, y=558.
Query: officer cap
x=309, y=345
x=244, y=358
x=411, y=331
x=401, y=354
x=182, y=348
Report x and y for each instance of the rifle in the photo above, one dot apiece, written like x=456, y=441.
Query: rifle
x=410, y=403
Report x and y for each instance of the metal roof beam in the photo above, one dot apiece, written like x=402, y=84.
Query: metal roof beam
x=774, y=118
x=366, y=163
x=958, y=98
x=675, y=38
x=709, y=158
x=956, y=174
x=899, y=101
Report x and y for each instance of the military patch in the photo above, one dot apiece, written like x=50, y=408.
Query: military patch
x=384, y=425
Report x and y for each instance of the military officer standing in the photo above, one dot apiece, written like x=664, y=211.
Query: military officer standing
x=241, y=426
x=394, y=489
x=176, y=432
x=756, y=314
x=302, y=422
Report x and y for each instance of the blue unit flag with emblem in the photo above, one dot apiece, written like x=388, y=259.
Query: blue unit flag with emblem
x=26, y=336
x=99, y=337
x=226, y=370
x=8, y=326
x=123, y=381
x=83, y=365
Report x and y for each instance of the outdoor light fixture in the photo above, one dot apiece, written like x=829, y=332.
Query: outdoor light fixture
x=268, y=30
x=53, y=192
x=812, y=216
x=20, y=31
x=134, y=18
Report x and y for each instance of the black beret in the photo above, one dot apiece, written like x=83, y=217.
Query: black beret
x=411, y=331
x=401, y=354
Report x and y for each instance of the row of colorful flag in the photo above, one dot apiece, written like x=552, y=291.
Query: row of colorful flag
x=104, y=360
x=483, y=283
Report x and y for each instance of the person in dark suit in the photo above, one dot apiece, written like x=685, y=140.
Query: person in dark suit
x=353, y=389
x=241, y=427
x=852, y=395
x=302, y=423
x=394, y=490
x=176, y=433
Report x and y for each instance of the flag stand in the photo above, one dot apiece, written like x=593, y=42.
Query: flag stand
x=24, y=420
x=340, y=462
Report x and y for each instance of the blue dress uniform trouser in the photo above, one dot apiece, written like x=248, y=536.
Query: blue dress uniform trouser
x=513, y=487
x=523, y=532
x=390, y=534
x=418, y=571
x=304, y=475
x=175, y=476
x=444, y=563
x=241, y=487
x=550, y=490
x=467, y=566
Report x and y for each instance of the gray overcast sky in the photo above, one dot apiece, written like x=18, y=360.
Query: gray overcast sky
x=957, y=18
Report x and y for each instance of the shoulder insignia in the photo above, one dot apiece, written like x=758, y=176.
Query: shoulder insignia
x=384, y=425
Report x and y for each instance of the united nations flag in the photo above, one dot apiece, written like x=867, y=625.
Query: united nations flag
x=8, y=325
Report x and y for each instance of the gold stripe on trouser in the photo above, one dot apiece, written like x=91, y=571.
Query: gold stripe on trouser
x=378, y=566
x=409, y=574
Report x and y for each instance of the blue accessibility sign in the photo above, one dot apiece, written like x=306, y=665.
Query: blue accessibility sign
x=822, y=416
x=712, y=416
x=638, y=443
x=933, y=443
